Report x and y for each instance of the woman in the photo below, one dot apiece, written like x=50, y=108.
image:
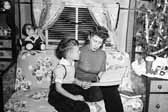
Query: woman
x=64, y=95
x=91, y=65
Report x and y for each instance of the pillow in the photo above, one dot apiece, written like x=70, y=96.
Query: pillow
x=30, y=101
x=34, y=69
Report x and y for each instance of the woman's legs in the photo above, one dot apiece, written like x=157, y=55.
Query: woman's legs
x=112, y=99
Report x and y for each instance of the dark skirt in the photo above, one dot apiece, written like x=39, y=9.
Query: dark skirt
x=93, y=94
x=112, y=99
x=65, y=104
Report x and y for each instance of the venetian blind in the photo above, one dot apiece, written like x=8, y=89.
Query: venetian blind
x=66, y=25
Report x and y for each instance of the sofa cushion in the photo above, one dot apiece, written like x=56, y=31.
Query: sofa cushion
x=33, y=80
x=34, y=100
x=34, y=69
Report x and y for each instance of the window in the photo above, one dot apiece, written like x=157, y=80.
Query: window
x=76, y=22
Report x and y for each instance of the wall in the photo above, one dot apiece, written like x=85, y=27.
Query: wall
x=22, y=15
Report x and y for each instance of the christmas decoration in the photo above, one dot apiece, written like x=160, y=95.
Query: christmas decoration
x=152, y=28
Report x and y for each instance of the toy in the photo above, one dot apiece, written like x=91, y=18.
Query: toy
x=5, y=5
x=32, y=40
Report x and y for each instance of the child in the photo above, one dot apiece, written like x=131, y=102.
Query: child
x=64, y=93
x=138, y=68
x=32, y=40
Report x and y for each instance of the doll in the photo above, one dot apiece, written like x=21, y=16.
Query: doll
x=5, y=5
x=32, y=40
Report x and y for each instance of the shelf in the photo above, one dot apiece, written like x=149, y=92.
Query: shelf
x=5, y=37
x=5, y=49
x=6, y=59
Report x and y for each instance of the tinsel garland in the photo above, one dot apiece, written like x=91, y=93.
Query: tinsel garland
x=159, y=51
x=152, y=28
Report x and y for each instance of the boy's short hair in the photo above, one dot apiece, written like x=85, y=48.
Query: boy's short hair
x=65, y=45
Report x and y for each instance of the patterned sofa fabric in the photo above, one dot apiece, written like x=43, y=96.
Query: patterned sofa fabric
x=34, y=70
x=33, y=75
x=29, y=101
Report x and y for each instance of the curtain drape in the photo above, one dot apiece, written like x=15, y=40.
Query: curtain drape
x=46, y=12
x=112, y=13
x=107, y=16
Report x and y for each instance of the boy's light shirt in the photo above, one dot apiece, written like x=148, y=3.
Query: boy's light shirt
x=60, y=72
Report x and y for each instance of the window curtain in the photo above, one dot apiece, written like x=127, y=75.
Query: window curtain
x=107, y=16
x=46, y=12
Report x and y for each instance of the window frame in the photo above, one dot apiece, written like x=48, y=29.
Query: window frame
x=76, y=6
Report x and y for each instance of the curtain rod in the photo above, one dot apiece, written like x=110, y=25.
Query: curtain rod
x=69, y=4
x=84, y=6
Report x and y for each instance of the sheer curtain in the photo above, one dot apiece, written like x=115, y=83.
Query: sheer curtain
x=46, y=12
x=107, y=16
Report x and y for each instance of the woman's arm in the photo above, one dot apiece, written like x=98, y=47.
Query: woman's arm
x=62, y=91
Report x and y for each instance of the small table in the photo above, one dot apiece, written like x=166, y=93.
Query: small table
x=156, y=94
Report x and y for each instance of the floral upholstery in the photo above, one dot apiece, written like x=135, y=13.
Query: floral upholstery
x=132, y=104
x=33, y=74
x=34, y=69
x=29, y=101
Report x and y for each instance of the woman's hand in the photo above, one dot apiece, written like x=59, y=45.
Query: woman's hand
x=85, y=84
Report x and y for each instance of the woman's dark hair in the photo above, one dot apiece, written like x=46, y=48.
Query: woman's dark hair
x=24, y=28
x=100, y=31
x=64, y=45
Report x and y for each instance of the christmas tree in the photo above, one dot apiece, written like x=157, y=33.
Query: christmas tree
x=152, y=28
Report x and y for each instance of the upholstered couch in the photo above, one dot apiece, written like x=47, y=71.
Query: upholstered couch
x=34, y=69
